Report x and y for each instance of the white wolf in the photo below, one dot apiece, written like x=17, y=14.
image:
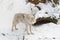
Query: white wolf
x=27, y=19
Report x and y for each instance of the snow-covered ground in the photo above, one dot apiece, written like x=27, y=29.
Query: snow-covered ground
x=8, y=8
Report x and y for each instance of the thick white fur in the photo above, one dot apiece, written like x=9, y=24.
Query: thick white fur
x=27, y=19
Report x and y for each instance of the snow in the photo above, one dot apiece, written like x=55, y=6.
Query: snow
x=8, y=8
x=52, y=11
x=45, y=31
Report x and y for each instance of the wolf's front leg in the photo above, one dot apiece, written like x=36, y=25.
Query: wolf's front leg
x=27, y=30
x=31, y=29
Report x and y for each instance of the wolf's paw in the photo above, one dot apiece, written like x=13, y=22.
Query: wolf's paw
x=28, y=33
x=16, y=28
x=32, y=33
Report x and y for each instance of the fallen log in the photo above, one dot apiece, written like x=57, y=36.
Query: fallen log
x=43, y=20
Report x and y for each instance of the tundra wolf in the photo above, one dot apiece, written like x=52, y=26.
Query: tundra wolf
x=27, y=19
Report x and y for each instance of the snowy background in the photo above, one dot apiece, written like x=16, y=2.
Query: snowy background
x=8, y=8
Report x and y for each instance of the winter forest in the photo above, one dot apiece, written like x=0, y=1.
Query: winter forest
x=42, y=19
